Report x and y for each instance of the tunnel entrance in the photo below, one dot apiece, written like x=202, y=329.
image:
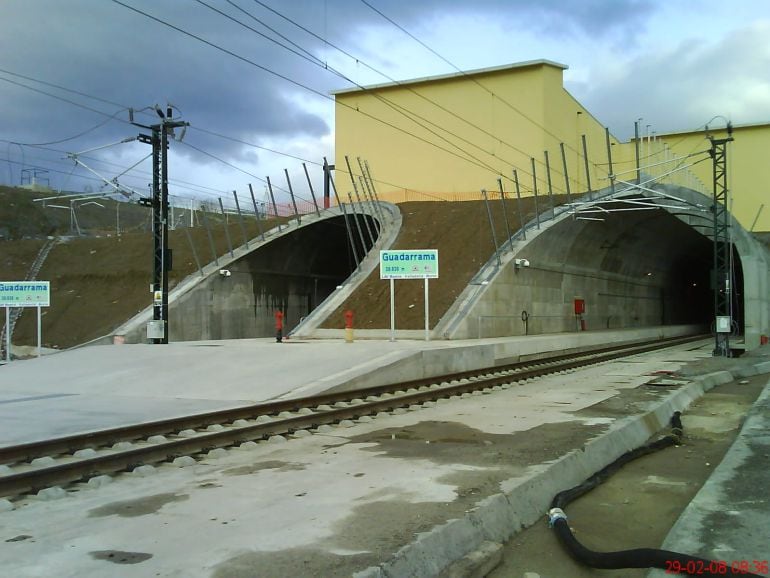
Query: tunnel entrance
x=632, y=268
x=296, y=272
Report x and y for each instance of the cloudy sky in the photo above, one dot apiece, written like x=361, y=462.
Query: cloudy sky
x=70, y=69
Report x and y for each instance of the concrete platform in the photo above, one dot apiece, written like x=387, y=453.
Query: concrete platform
x=402, y=495
x=107, y=386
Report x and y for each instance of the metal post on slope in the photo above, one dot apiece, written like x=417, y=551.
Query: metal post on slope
x=365, y=220
x=350, y=234
x=210, y=237
x=505, y=213
x=329, y=184
x=518, y=204
x=312, y=192
x=370, y=189
x=372, y=206
x=256, y=213
x=589, y=192
x=358, y=197
x=327, y=168
x=609, y=160
x=240, y=220
x=566, y=173
x=550, y=185
x=272, y=198
x=358, y=227
x=227, y=227
x=636, y=152
x=491, y=225
x=194, y=252
x=534, y=190
x=291, y=193
x=374, y=190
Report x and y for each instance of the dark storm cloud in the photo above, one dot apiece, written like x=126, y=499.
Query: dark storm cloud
x=100, y=48
x=553, y=16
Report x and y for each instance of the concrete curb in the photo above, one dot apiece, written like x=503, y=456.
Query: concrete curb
x=525, y=499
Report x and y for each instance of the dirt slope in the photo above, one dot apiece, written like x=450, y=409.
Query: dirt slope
x=99, y=283
x=461, y=233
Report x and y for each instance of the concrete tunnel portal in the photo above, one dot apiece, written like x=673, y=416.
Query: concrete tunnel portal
x=662, y=268
x=296, y=272
x=293, y=272
x=634, y=269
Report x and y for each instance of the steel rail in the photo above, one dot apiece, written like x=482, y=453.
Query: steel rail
x=350, y=406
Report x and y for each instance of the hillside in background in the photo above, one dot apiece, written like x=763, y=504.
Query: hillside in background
x=25, y=215
x=101, y=280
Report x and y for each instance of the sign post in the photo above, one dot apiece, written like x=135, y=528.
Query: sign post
x=24, y=294
x=408, y=264
x=427, y=334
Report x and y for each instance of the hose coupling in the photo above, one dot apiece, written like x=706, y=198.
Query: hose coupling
x=555, y=514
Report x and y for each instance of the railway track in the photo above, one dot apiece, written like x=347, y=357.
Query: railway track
x=44, y=464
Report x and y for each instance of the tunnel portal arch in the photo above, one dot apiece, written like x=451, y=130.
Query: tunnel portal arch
x=633, y=268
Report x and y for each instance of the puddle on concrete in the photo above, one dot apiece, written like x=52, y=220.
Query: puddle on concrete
x=626, y=402
x=385, y=526
x=292, y=562
x=138, y=507
x=120, y=557
x=456, y=443
x=259, y=466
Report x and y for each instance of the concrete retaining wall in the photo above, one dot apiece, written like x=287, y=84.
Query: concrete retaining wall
x=296, y=270
x=493, y=352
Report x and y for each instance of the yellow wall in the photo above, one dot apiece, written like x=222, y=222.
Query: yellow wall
x=513, y=114
x=444, y=157
x=748, y=169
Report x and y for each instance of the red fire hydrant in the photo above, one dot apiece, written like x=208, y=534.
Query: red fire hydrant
x=348, y=326
x=279, y=326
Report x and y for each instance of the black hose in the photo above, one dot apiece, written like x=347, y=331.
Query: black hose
x=672, y=562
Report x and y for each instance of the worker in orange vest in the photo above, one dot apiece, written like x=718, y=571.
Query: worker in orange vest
x=279, y=326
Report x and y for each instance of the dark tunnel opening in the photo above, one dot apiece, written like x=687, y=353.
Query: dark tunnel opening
x=296, y=272
x=648, y=268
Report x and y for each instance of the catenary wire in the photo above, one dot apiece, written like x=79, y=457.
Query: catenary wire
x=307, y=55
x=290, y=80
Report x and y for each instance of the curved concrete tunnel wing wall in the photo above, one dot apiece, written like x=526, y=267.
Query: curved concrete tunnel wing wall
x=633, y=269
x=297, y=269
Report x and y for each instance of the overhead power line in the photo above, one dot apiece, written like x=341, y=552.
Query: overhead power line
x=411, y=115
x=295, y=82
x=475, y=80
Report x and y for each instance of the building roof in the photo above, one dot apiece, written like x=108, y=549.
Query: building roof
x=478, y=71
x=713, y=128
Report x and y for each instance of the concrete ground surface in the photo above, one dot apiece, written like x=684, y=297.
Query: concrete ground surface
x=400, y=495
x=107, y=386
x=97, y=387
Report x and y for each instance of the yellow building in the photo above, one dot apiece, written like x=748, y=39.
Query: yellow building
x=450, y=136
x=748, y=169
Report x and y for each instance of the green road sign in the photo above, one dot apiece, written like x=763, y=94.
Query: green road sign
x=409, y=264
x=25, y=293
